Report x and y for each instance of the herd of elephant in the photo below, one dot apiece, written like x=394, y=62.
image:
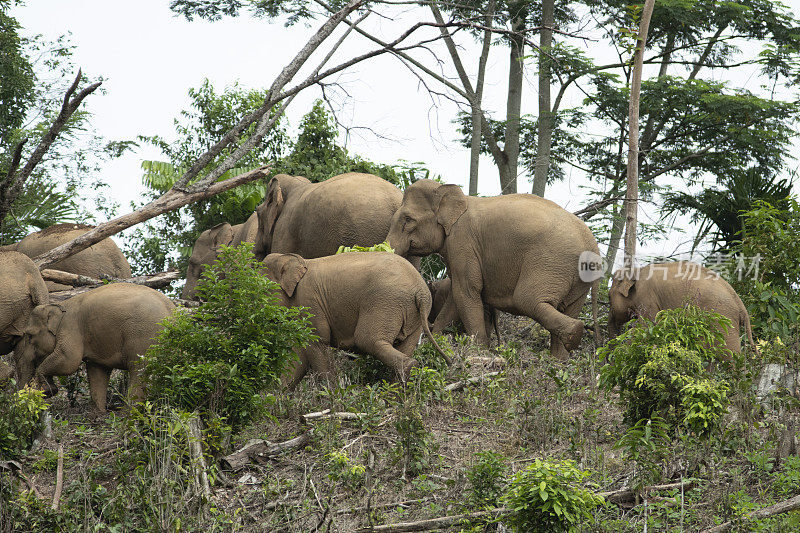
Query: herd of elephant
x=514, y=253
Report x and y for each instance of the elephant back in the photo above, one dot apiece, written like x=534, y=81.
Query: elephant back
x=352, y=209
x=101, y=259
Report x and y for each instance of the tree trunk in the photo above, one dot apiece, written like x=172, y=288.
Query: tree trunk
x=617, y=227
x=477, y=114
x=508, y=174
x=545, y=133
x=632, y=197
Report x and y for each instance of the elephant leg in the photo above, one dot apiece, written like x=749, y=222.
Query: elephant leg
x=565, y=329
x=409, y=344
x=557, y=348
x=98, y=384
x=320, y=358
x=467, y=298
x=374, y=334
x=297, y=371
x=447, y=316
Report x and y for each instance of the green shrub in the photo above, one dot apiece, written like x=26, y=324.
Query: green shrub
x=487, y=479
x=20, y=415
x=549, y=496
x=661, y=369
x=221, y=357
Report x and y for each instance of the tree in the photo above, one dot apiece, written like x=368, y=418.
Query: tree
x=167, y=242
x=43, y=182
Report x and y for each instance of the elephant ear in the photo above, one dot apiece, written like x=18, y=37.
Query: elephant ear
x=220, y=234
x=626, y=282
x=450, y=205
x=292, y=270
x=54, y=314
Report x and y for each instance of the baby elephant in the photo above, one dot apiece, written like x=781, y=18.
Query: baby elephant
x=672, y=285
x=374, y=302
x=108, y=327
x=444, y=312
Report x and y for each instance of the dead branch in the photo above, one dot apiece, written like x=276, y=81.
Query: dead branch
x=459, y=385
x=785, y=506
x=327, y=414
x=59, y=478
x=259, y=448
x=11, y=187
x=627, y=494
x=434, y=523
x=390, y=505
x=169, y=201
x=198, y=460
x=486, y=361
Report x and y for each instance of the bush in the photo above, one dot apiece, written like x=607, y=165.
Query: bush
x=20, y=414
x=660, y=368
x=221, y=357
x=487, y=478
x=549, y=496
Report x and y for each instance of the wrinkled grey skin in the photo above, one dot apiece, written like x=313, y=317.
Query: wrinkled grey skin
x=21, y=289
x=103, y=258
x=374, y=302
x=518, y=253
x=207, y=247
x=672, y=285
x=444, y=312
x=108, y=327
x=314, y=219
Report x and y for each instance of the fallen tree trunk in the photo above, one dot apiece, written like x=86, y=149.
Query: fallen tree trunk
x=262, y=449
x=785, y=506
x=458, y=385
x=627, y=494
x=169, y=201
x=155, y=281
x=433, y=523
x=326, y=414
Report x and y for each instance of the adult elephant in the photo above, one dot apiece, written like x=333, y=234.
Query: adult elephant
x=101, y=259
x=206, y=249
x=314, y=219
x=108, y=327
x=518, y=253
x=672, y=285
x=21, y=289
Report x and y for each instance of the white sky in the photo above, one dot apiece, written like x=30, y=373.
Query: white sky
x=149, y=59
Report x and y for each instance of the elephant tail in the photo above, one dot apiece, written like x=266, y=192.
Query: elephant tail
x=748, y=328
x=595, y=302
x=423, y=302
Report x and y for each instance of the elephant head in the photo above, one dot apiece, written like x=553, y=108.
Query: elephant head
x=38, y=342
x=622, y=299
x=425, y=218
x=204, y=253
x=286, y=270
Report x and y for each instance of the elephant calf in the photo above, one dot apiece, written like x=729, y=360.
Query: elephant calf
x=444, y=312
x=660, y=286
x=108, y=327
x=374, y=302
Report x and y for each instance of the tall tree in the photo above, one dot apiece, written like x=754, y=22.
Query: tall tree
x=632, y=196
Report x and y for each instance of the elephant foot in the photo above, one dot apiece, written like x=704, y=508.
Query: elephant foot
x=404, y=371
x=572, y=336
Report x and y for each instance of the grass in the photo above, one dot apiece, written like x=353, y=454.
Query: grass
x=408, y=456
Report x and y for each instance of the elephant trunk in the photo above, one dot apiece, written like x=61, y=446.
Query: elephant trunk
x=24, y=355
x=396, y=239
x=188, y=292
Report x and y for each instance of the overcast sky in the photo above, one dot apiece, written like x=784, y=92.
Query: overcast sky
x=149, y=58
